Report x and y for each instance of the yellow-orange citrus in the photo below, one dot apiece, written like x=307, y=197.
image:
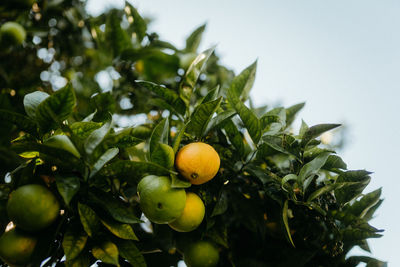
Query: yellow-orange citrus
x=192, y=216
x=197, y=162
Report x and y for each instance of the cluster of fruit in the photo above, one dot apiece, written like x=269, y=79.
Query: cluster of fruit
x=32, y=208
x=182, y=211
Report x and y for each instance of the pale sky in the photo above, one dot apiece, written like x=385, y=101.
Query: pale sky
x=340, y=56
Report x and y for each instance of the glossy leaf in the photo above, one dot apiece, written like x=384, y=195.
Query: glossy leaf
x=89, y=219
x=315, y=131
x=178, y=138
x=159, y=135
x=292, y=111
x=107, y=252
x=312, y=168
x=220, y=119
x=121, y=230
x=57, y=106
x=106, y=157
x=202, y=116
x=334, y=162
x=32, y=101
x=83, y=129
x=73, y=243
x=361, y=207
x=163, y=155
x=129, y=251
x=345, y=194
x=235, y=136
x=67, y=187
x=285, y=220
x=179, y=183
x=242, y=83
x=193, y=41
x=96, y=137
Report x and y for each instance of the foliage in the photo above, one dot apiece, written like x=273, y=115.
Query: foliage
x=280, y=198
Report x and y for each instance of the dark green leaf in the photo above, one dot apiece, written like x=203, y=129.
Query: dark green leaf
x=292, y=111
x=193, y=41
x=202, y=116
x=219, y=119
x=235, y=136
x=32, y=101
x=178, y=138
x=121, y=230
x=311, y=168
x=179, y=183
x=83, y=129
x=159, y=135
x=345, y=194
x=122, y=139
x=57, y=106
x=285, y=219
x=118, y=39
x=242, y=83
x=315, y=131
x=73, y=243
x=222, y=204
x=107, y=252
x=211, y=95
x=370, y=213
x=106, y=157
x=80, y=261
x=139, y=24
x=114, y=207
x=129, y=251
x=163, y=155
x=24, y=123
x=96, y=137
x=67, y=187
x=360, y=207
x=89, y=219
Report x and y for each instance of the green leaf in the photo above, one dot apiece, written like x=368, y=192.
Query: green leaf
x=192, y=75
x=220, y=119
x=222, y=204
x=67, y=187
x=361, y=207
x=89, y=219
x=334, y=162
x=370, y=213
x=132, y=171
x=57, y=106
x=211, y=95
x=371, y=262
x=311, y=169
x=73, y=243
x=163, y=155
x=346, y=194
x=121, y=230
x=194, y=39
x=106, y=157
x=107, y=252
x=96, y=137
x=83, y=129
x=315, y=131
x=129, y=251
x=242, y=83
x=118, y=39
x=235, y=136
x=303, y=128
x=202, y=116
x=326, y=189
x=122, y=139
x=104, y=104
x=82, y=260
x=139, y=24
x=179, y=183
x=178, y=138
x=32, y=101
x=285, y=219
x=170, y=96
x=159, y=134
x=289, y=177
x=114, y=207
x=23, y=123
x=278, y=144
x=292, y=111
x=249, y=119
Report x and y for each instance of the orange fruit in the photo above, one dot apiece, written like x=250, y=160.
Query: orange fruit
x=201, y=254
x=192, y=216
x=197, y=162
x=158, y=201
x=32, y=207
x=16, y=247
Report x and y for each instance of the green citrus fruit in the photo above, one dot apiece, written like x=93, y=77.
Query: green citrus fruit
x=12, y=33
x=192, y=215
x=16, y=247
x=158, y=201
x=62, y=142
x=32, y=207
x=201, y=254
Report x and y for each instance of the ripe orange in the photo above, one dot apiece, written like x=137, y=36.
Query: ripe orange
x=16, y=247
x=32, y=207
x=158, y=201
x=192, y=216
x=197, y=162
x=201, y=254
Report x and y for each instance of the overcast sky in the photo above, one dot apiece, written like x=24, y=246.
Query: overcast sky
x=341, y=57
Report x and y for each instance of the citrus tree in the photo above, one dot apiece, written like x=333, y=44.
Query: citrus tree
x=167, y=159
